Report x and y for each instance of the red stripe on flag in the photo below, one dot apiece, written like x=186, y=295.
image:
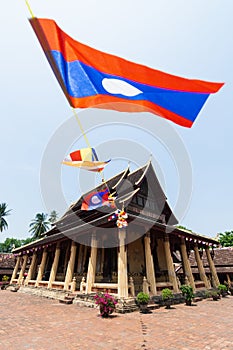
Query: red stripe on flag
x=73, y=50
x=120, y=104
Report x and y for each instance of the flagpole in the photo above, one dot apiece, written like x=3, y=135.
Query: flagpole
x=87, y=142
x=29, y=9
x=81, y=128
x=74, y=112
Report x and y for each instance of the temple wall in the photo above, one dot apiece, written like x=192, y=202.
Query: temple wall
x=136, y=259
x=136, y=263
x=161, y=255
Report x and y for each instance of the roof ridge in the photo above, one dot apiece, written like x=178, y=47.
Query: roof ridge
x=133, y=172
x=144, y=173
x=122, y=177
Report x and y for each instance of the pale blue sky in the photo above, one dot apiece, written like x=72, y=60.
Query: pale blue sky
x=191, y=38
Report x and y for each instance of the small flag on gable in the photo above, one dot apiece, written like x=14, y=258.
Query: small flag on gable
x=96, y=200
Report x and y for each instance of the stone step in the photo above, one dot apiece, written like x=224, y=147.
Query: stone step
x=65, y=301
x=73, y=295
x=153, y=306
x=68, y=297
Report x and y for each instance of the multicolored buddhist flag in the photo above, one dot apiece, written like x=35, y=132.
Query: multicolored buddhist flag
x=96, y=200
x=85, y=158
x=91, y=78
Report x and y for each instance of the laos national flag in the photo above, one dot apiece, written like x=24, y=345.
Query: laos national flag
x=95, y=200
x=91, y=78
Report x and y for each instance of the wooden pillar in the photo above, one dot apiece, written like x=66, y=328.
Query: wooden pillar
x=122, y=265
x=25, y=258
x=31, y=268
x=186, y=264
x=54, y=266
x=213, y=271
x=41, y=267
x=14, y=274
x=170, y=266
x=228, y=280
x=91, y=265
x=200, y=267
x=150, y=271
x=70, y=267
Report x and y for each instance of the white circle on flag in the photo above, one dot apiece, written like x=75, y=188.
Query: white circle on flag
x=120, y=87
x=95, y=200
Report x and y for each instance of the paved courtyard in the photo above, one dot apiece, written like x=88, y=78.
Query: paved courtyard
x=34, y=323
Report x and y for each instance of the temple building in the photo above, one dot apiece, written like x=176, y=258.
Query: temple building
x=7, y=263
x=223, y=261
x=85, y=251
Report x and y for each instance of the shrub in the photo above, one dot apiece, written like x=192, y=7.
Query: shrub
x=167, y=294
x=187, y=291
x=222, y=289
x=143, y=298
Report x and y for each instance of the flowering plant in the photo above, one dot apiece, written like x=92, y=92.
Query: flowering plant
x=106, y=302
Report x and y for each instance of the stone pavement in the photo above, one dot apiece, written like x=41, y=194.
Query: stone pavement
x=28, y=322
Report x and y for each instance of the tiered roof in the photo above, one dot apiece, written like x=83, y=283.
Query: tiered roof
x=222, y=257
x=129, y=187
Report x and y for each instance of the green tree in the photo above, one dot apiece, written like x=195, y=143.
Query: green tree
x=184, y=228
x=9, y=244
x=39, y=225
x=27, y=240
x=226, y=239
x=3, y=213
x=53, y=216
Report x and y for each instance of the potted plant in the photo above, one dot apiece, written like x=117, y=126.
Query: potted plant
x=5, y=282
x=106, y=303
x=143, y=300
x=215, y=294
x=222, y=289
x=187, y=292
x=167, y=297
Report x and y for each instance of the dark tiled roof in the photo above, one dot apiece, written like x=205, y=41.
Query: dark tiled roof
x=7, y=262
x=75, y=221
x=223, y=259
x=136, y=175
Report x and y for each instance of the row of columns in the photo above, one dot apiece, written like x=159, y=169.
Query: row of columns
x=122, y=266
x=52, y=277
x=186, y=265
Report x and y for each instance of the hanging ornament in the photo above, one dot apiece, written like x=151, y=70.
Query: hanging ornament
x=121, y=217
x=121, y=220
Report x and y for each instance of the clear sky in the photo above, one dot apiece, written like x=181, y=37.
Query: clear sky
x=191, y=39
